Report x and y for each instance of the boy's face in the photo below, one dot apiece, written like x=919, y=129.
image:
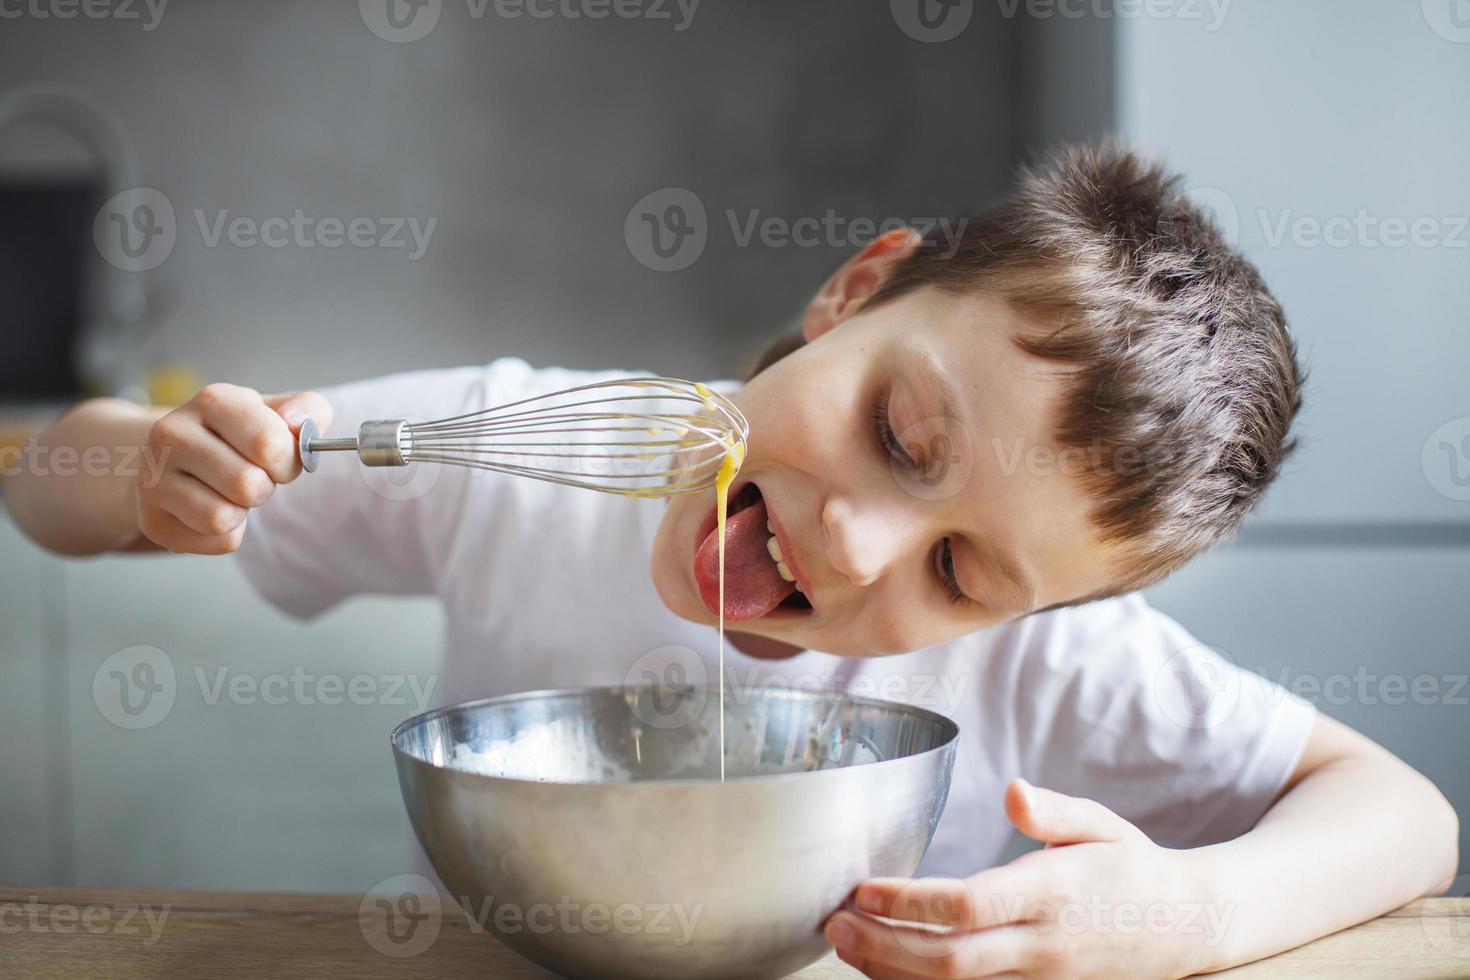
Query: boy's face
x=953, y=516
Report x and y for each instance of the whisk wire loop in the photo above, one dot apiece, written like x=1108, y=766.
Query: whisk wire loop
x=641, y=437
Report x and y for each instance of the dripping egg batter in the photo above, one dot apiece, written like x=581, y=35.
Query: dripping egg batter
x=729, y=468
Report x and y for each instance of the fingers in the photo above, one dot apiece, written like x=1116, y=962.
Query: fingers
x=949, y=902
x=1055, y=818
x=242, y=419
x=197, y=507
x=882, y=950
x=299, y=406
x=879, y=971
x=167, y=531
x=222, y=453
x=183, y=440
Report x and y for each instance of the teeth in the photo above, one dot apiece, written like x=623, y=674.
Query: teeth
x=773, y=548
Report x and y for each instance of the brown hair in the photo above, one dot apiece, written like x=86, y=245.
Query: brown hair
x=1181, y=380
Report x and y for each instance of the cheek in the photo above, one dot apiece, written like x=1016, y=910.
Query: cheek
x=895, y=620
x=677, y=524
x=805, y=419
x=905, y=616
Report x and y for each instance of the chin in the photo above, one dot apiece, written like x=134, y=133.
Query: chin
x=672, y=581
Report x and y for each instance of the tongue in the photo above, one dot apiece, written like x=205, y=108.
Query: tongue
x=753, y=587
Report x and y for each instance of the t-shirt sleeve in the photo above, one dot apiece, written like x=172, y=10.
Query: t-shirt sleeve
x=1118, y=703
x=348, y=529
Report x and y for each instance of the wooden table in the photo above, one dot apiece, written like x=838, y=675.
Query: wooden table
x=79, y=933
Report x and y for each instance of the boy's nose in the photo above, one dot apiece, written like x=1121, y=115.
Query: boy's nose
x=861, y=541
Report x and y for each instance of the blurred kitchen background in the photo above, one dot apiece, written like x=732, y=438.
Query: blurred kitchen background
x=530, y=143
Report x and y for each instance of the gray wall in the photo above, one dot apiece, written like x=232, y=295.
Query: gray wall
x=1352, y=582
x=529, y=141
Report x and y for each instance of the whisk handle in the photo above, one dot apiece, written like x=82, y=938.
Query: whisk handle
x=379, y=442
x=309, y=443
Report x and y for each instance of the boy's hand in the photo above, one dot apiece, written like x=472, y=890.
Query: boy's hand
x=222, y=453
x=1101, y=900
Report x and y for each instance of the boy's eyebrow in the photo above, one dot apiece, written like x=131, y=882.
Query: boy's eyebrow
x=1017, y=592
x=936, y=381
x=1012, y=579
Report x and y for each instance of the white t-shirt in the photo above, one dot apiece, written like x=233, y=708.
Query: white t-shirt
x=549, y=587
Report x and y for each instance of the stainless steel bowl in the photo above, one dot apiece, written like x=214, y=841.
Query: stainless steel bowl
x=589, y=829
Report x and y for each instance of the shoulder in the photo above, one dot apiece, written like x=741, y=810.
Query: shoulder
x=1090, y=660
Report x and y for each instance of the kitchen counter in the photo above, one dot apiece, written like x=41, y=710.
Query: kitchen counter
x=80, y=933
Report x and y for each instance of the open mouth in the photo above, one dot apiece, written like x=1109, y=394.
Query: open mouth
x=758, y=580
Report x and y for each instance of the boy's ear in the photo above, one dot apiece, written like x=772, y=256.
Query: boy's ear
x=860, y=276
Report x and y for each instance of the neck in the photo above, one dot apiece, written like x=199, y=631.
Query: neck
x=760, y=647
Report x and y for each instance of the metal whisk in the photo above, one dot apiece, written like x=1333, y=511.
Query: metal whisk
x=640, y=437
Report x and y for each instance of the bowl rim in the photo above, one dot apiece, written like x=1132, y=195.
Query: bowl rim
x=948, y=727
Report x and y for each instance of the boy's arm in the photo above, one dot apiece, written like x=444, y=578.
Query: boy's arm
x=1355, y=834
x=143, y=478
x=93, y=509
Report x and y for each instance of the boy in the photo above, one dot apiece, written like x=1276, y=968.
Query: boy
x=968, y=466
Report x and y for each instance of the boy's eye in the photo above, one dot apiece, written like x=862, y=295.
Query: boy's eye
x=944, y=568
x=883, y=427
